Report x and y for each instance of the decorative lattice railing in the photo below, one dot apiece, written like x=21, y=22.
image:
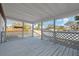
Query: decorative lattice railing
x=67, y=38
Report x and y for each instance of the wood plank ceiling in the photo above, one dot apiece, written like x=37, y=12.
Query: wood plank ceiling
x=35, y=12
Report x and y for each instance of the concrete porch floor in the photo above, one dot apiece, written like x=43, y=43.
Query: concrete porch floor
x=33, y=46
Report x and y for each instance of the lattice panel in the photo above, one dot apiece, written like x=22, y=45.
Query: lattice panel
x=70, y=38
x=48, y=35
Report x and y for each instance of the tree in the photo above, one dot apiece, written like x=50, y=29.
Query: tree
x=76, y=17
x=50, y=26
x=27, y=27
x=38, y=25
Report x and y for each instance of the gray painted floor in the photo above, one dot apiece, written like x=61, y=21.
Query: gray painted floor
x=33, y=46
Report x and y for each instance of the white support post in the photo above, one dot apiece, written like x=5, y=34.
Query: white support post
x=32, y=30
x=22, y=30
x=41, y=30
x=5, y=24
x=54, y=31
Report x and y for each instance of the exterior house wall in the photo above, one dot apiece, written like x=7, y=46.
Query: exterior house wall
x=1, y=26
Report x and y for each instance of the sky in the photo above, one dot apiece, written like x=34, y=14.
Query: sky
x=10, y=22
x=59, y=22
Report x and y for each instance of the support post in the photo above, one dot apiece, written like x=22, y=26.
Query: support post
x=22, y=30
x=41, y=30
x=32, y=30
x=5, y=29
x=54, y=30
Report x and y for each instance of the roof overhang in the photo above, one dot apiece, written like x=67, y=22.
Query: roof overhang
x=36, y=12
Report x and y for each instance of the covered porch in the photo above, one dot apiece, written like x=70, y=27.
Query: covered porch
x=51, y=41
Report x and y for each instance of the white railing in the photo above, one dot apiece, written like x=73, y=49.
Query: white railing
x=70, y=38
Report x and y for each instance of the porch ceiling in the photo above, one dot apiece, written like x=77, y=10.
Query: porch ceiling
x=35, y=12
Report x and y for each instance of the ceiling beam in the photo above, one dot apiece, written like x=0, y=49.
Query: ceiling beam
x=2, y=12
